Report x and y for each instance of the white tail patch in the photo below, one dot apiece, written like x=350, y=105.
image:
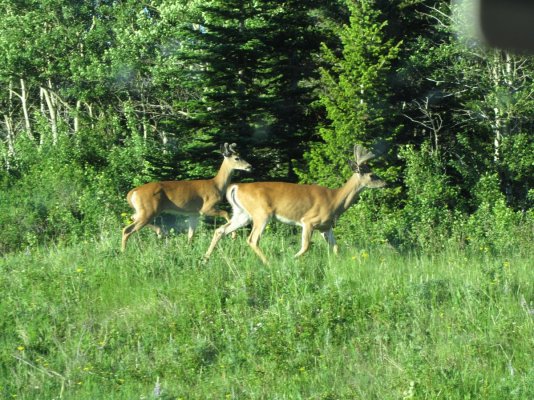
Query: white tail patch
x=135, y=203
x=233, y=199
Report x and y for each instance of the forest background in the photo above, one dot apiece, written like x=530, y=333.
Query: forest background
x=98, y=97
x=432, y=294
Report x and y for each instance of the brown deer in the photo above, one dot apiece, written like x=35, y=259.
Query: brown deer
x=309, y=206
x=190, y=198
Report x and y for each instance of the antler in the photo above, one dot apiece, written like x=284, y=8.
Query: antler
x=362, y=155
x=227, y=150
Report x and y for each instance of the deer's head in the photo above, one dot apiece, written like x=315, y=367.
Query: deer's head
x=232, y=157
x=359, y=166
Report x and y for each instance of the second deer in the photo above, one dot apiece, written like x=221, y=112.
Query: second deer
x=190, y=198
x=309, y=206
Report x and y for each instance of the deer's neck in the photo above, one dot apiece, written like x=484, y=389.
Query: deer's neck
x=223, y=177
x=346, y=195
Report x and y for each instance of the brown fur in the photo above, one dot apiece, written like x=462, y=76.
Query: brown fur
x=309, y=206
x=191, y=198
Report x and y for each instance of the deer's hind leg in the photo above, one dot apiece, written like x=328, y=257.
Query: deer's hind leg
x=259, y=224
x=307, y=230
x=139, y=222
x=239, y=219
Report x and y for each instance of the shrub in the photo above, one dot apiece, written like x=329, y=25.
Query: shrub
x=494, y=226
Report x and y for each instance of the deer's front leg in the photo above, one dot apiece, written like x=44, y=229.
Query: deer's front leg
x=330, y=239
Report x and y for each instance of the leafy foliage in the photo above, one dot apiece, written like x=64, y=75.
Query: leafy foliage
x=99, y=97
x=355, y=94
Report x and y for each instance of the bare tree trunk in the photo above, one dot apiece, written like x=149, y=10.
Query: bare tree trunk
x=145, y=130
x=10, y=135
x=24, y=101
x=502, y=75
x=497, y=134
x=497, y=123
x=165, y=142
x=10, y=138
x=429, y=120
x=90, y=113
x=52, y=111
x=77, y=116
x=23, y=97
x=144, y=123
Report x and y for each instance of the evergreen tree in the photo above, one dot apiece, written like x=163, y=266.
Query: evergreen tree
x=254, y=62
x=231, y=55
x=292, y=39
x=355, y=95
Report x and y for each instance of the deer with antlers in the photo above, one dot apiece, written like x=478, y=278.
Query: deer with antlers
x=190, y=198
x=309, y=206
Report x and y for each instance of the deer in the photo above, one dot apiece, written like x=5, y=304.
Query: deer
x=309, y=206
x=193, y=198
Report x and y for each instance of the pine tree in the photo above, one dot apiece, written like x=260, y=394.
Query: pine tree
x=224, y=60
x=292, y=39
x=254, y=62
x=355, y=94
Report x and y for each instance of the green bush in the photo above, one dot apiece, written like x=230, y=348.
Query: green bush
x=494, y=226
x=432, y=214
x=75, y=190
x=431, y=198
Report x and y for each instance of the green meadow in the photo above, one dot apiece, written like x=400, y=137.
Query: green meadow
x=88, y=322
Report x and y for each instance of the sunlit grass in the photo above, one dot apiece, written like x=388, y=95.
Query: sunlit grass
x=87, y=322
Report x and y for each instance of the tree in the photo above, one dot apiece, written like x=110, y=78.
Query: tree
x=477, y=107
x=254, y=61
x=355, y=94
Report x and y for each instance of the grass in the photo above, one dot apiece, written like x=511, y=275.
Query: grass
x=86, y=322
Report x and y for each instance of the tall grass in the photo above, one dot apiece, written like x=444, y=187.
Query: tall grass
x=88, y=322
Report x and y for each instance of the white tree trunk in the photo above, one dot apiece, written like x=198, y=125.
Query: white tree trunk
x=52, y=112
x=24, y=102
x=77, y=116
x=10, y=135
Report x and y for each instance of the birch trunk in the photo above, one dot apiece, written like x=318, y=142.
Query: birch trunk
x=23, y=97
x=24, y=103
x=52, y=111
x=77, y=116
x=90, y=113
x=497, y=124
x=10, y=135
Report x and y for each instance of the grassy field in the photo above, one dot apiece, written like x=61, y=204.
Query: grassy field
x=86, y=322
